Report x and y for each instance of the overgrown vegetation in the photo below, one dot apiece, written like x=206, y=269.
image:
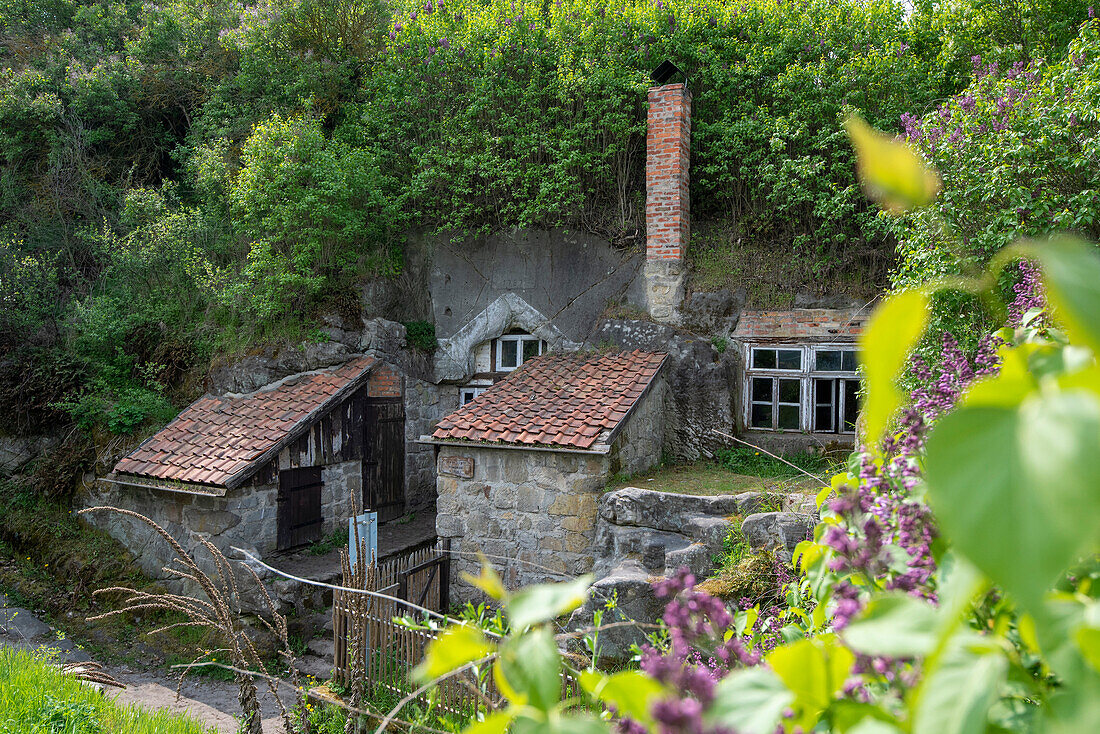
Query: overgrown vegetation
x=757, y=463
x=182, y=180
x=36, y=698
x=1018, y=154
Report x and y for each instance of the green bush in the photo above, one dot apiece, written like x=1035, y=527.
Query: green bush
x=747, y=460
x=1019, y=158
x=421, y=335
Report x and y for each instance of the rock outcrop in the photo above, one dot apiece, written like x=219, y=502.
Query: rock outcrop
x=703, y=382
x=643, y=535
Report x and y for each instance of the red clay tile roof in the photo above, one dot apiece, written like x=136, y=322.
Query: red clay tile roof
x=566, y=400
x=217, y=440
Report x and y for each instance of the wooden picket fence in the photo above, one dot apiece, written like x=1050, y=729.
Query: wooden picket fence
x=370, y=647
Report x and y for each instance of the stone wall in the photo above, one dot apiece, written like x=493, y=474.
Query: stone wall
x=245, y=518
x=536, y=509
x=339, y=484
x=425, y=404
x=641, y=441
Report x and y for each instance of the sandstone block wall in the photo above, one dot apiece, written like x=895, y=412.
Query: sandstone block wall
x=339, y=484
x=641, y=441
x=425, y=404
x=246, y=518
x=532, y=512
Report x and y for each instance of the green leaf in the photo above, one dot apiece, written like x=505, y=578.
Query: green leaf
x=489, y=580
x=961, y=686
x=871, y=725
x=530, y=666
x=814, y=670
x=494, y=723
x=892, y=332
x=1071, y=274
x=893, y=625
x=892, y=171
x=1016, y=491
x=750, y=701
x=454, y=648
x=1088, y=639
x=631, y=692
x=847, y=716
x=543, y=602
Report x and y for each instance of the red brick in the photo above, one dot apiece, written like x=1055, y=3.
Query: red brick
x=667, y=178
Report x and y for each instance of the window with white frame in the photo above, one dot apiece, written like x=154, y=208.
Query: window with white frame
x=467, y=393
x=808, y=387
x=512, y=350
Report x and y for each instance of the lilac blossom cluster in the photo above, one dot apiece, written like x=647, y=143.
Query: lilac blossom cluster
x=999, y=95
x=1029, y=294
x=697, y=657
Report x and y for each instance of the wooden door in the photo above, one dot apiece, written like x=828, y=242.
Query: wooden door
x=384, y=458
x=299, y=507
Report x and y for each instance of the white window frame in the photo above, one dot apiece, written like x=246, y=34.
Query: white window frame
x=520, y=339
x=473, y=391
x=806, y=375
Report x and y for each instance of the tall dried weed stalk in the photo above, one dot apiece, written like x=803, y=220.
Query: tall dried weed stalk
x=220, y=612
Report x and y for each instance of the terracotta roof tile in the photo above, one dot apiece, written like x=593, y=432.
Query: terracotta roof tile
x=557, y=399
x=216, y=438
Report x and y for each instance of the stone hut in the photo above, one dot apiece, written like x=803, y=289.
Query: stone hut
x=269, y=470
x=522, y=466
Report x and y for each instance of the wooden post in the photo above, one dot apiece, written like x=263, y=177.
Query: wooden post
x=445, y=578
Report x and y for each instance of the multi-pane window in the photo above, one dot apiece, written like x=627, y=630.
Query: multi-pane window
x=515, y=349
x=469, y=392
x=802, y=388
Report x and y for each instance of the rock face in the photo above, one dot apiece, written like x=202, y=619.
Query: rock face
x=643, y=535
x=567, y=276
x=256, y=370
x=702, y=380
x=714, y=313
x=778, y=531
x=18, y=451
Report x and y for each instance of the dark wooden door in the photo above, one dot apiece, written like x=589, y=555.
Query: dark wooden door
x=299, y=509
x=384, y=458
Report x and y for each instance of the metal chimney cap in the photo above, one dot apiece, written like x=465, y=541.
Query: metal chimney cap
x=665, y=71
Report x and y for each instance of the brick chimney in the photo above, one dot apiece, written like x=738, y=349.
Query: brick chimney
x=668, y=205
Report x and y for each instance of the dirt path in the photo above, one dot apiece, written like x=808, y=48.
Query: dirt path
x=212, y=702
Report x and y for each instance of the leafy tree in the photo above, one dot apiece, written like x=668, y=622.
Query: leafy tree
x=315, y=211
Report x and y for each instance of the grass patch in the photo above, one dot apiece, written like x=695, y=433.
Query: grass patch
x=709, y=478
x=35, y=698
x=332, y=541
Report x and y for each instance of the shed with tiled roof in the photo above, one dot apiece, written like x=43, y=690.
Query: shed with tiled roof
x=274, y=468
x=521, y=466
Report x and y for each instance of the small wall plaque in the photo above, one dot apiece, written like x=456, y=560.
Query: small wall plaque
x=457, y=466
